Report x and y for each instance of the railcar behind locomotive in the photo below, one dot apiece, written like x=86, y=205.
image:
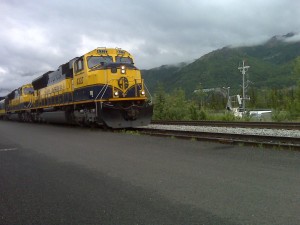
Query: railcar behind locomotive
x=2, y=109
x=101, y=87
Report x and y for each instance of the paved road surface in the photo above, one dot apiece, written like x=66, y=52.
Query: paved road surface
x=70, y=175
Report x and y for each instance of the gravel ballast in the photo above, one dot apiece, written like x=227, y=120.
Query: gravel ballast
x=229, y=130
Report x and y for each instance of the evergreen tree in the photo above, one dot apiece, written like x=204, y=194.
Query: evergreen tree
x=159, y=103
x=177, y=106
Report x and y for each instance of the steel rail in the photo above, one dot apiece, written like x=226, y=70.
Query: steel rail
x=291, y=143
x=265, y=125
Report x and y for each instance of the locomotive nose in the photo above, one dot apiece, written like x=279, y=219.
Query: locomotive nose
x=132, y=114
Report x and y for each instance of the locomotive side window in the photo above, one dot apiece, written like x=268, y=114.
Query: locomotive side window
x=79, y=65
x=2, y=104
x=17, y=93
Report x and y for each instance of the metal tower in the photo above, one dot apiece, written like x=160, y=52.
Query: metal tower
x=243, y=69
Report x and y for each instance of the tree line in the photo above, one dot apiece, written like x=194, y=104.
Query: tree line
x=284, y=102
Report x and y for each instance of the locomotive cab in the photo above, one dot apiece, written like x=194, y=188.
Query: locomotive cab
x=27, y=95
x=109, y=80
x=21, y=98
x=19, y=103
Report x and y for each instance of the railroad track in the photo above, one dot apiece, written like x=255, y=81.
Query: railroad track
x=265, y=125
x=291, y=143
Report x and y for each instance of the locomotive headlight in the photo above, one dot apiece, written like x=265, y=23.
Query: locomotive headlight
x=116, y=93
x=123, y=69
x=142, y=92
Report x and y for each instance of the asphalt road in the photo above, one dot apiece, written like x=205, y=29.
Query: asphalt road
x=53, y=174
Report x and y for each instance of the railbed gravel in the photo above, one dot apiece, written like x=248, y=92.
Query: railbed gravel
x=230, y=130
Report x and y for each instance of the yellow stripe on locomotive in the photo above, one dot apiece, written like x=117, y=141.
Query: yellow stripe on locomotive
x=57, y=91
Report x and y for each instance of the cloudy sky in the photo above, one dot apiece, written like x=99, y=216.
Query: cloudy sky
x=39, y=35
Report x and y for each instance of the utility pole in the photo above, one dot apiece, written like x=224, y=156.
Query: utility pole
x=243, y=69
x=228, y=97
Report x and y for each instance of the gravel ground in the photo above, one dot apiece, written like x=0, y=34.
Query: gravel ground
x=230, y=130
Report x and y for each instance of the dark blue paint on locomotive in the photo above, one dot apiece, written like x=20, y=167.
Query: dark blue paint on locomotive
x=98, y=92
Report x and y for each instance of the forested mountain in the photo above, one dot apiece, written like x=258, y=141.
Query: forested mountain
x=271, y=66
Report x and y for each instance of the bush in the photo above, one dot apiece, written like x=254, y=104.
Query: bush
x=202, y=115
x=279, y=116
x=228, y=117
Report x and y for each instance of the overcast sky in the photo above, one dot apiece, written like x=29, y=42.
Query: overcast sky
x=39, y=35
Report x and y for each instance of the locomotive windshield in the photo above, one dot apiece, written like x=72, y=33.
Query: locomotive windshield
x=28, y=90
x=120, y=59
x=98, y=60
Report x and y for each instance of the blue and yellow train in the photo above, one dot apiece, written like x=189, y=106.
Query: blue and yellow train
x=101, y=87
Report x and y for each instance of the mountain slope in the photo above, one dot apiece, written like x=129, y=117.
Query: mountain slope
x=271, y=66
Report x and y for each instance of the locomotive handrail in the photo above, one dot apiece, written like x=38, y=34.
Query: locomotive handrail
x=106, y=85
x=148, y=92
x=29, y=104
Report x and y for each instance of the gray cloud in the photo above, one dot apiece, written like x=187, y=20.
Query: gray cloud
x=41, y=35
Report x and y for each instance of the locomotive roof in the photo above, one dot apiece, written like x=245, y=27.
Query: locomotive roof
x=11, y=95
x=41, y=81
x=109, y=51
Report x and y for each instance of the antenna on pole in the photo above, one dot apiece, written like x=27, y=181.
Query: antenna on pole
x=243, y=69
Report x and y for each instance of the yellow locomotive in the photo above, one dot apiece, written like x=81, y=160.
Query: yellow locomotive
x=19, y=102
x=2, y=109
x=101, y=87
